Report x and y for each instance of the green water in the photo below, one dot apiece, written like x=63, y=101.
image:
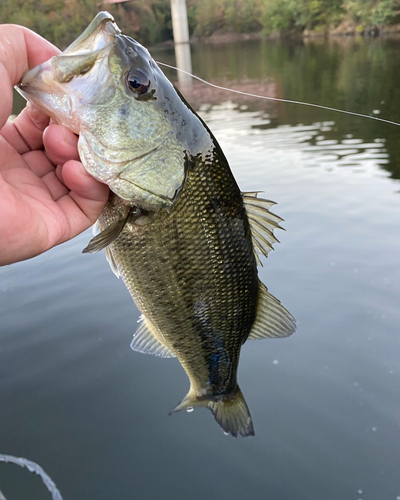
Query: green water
x=326, y=401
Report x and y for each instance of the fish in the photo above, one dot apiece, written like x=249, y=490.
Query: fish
x=177, y=229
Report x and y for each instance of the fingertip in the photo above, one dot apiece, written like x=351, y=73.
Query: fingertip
x=77, y=179
x=39, y=119
x=60, y=144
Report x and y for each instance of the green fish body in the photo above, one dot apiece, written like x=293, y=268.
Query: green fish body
x=176, y=228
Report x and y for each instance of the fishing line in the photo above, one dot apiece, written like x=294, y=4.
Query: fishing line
x=281, y=100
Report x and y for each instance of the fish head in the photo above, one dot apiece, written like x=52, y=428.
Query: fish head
x=69, y=83
x=107, y=88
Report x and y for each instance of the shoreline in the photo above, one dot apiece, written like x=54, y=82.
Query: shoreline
x=344, y=30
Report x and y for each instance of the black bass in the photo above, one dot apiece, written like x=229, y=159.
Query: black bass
x=176, y=228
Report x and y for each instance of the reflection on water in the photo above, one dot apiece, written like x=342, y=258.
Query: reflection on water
x=326, y=401
x=351, y=74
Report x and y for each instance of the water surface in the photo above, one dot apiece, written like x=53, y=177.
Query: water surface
x=326, y=401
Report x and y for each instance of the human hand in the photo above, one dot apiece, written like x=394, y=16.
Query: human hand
x=45, y=199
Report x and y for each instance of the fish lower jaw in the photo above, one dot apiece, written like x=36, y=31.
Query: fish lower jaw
x=144, y=198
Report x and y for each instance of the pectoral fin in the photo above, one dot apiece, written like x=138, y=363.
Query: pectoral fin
x=146, y=340
x=104, y=238
x=111, y=232
x=96, y=229
x=272, y=320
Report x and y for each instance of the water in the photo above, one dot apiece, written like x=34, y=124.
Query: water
x=325, y=402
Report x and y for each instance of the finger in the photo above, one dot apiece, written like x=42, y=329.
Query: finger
x=9, y=158
x=43, y=169
x=86, y=199
x=22, y=50
x=25, y=133
x=60, y=144
x=38, y=163
x=56, y=188
x=59, y=176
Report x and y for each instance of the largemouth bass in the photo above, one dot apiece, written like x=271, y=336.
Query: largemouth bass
x=177, y=229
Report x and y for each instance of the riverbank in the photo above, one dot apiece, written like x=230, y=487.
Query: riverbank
x=351, y=28
x=346, y=28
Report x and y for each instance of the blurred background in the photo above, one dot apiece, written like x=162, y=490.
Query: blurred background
x=61, y=21
x=326, y=401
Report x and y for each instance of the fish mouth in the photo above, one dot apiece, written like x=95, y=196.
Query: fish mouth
x=93, y=44
x=29, y=76
x=101, y=30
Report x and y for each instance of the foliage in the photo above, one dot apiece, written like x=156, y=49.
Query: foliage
x=61, y=21
x=372, y=12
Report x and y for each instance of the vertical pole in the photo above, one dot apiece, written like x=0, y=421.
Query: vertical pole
x=181, y=39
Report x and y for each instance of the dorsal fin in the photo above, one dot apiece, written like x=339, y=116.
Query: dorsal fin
x=262, y=223
x=146, y=341
x=272, y=320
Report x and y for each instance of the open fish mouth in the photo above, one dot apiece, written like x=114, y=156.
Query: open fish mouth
x=100, y=32
x=77, y=58
x=43, y=85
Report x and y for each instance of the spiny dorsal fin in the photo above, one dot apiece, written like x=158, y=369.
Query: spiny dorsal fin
x=146, y=341
x=262, y=223
x=272, y=320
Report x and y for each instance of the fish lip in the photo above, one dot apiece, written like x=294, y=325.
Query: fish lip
x=110, y=27
x=102, y=29
x=29, y=76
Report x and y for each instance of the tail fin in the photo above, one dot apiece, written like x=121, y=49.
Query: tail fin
x=230, y=411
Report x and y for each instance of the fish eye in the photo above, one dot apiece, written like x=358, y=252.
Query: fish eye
x=138, y=82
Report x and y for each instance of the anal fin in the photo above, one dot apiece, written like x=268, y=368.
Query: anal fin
x=272, y=320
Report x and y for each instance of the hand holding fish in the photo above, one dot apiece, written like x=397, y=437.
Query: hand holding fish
x=41, y=205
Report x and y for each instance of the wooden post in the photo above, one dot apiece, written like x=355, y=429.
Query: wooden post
x=181, y=39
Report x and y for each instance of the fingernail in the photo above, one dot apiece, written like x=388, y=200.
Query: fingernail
x=69, y=137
